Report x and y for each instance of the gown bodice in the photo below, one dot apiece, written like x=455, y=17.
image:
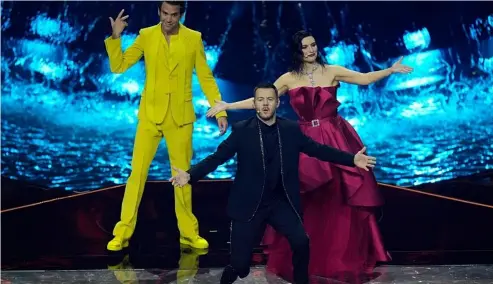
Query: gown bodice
x=312, y=103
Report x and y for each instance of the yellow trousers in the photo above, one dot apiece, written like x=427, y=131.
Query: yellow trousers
x=179, y=144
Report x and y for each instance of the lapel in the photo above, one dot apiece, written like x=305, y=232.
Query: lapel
x=154, y=44
x=178, y=51
x=260, y=144
x=280, y=134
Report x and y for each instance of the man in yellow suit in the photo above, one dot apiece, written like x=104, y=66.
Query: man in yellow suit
x=171, y=52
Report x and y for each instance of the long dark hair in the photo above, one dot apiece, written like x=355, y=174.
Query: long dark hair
x=297, y=53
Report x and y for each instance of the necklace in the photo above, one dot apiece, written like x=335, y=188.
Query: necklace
x=310, y=75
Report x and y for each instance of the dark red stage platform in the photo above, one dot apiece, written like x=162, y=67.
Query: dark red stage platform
x=446, y=223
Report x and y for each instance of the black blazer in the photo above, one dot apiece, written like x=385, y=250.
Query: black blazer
x=245, y=141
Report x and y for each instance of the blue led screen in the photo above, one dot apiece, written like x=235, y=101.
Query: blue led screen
x=68, y=122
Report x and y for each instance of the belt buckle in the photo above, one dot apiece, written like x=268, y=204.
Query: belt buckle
x=315, y=123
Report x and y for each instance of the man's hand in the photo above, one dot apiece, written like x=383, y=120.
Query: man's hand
x=363, y=161
x=222, y=123
x=180, y=179
x=119, y=24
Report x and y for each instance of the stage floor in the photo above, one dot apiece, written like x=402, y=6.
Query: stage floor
x=432, y=236
x=470, y=274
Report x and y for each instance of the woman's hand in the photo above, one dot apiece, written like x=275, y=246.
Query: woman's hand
x=220, y=106
x=398, y=67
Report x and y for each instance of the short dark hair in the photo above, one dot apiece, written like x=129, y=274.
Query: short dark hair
x=181, y=4
x=265, y=86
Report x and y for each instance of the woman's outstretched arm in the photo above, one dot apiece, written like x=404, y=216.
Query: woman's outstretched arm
x=280, y=83
x=348, y=76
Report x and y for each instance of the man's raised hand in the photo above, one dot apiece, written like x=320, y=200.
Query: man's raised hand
x=118, y=24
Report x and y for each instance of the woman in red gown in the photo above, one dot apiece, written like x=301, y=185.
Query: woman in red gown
x=338, y=202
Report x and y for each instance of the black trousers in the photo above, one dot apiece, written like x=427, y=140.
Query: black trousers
x=245, y=235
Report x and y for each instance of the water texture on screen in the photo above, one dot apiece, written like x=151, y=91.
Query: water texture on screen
x=68, y=122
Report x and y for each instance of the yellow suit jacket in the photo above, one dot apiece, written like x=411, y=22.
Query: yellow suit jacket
x=177, y=77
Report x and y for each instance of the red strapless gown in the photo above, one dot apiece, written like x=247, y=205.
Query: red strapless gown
x=337, y=201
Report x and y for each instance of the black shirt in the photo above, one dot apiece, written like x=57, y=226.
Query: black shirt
x=273, y=188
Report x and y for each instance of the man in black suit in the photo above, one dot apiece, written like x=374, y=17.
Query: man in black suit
x=266, y=186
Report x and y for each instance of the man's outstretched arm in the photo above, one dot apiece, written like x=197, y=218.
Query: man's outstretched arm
x=323, y=152
x=333, y=155
x=225, y=151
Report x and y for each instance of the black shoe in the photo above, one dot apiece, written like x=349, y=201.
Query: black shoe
x=229, y=275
